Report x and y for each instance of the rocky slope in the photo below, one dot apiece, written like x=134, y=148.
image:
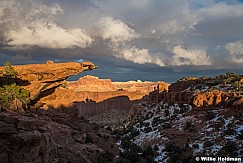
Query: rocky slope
x=203, y=117
x=181, y=132
x=61, y=135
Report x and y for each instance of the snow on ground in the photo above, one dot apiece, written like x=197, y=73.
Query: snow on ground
x=162, y=157
x=210, y=140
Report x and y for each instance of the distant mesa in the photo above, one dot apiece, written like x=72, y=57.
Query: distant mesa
x=94, y=84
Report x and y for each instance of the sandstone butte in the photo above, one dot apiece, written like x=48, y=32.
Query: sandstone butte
x=94, y=84
x=91, y=88
x=39, y=78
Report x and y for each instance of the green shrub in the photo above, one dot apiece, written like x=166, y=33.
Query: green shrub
x=10, y=92
x=9, y=71
x=197, y=91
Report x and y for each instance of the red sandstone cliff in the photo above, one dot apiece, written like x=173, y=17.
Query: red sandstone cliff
x=94, y=84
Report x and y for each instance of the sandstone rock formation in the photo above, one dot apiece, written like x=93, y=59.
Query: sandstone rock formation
x=202, y=92
x=51, y=136
x=38, y=78
x=101, y=100
x=94, y=84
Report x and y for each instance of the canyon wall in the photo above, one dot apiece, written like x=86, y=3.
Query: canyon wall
x=101, y=100
x=94, y=84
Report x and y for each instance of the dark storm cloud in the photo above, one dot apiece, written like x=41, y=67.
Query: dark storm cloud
x=125, y=36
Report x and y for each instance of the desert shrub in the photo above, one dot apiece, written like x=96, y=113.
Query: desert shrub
x=166, y=125
x=9, y=71
x=132, y=153
x=89, y=139
x=174, y=152
x=134, y=133
x=210, y=115
x=230, y=148
x=108, y=128
x=10, y=92
x=230, y=129
x=148, y=129
x=105, y=157
x=208, y=144
x=189, y=127
x=197, y=91
x=122, y=160
x=167, y=112
x=156, y=121
x=125, y=144
x=196, y=146
x=148, y=151
x=156, y=147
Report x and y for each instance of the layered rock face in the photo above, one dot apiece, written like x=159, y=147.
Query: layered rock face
x=101, y=100
x=51, y=136
x=38, y=78
x=94, y=84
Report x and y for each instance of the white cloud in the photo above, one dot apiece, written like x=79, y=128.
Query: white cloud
x=189, y=57
x=48, y=35
x=234, y=48
x=119, y=36
x=140, y=56
x=115, y=31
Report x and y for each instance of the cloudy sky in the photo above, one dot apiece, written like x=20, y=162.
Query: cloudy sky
x=128, y=39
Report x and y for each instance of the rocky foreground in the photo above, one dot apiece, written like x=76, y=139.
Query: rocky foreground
x=52, y=136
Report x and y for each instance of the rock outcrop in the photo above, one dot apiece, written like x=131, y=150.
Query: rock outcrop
x=52, y=136
x=41, y=78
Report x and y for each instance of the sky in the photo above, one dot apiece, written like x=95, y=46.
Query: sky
x=129, y=39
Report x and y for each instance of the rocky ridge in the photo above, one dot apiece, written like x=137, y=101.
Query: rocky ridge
x=222, y=90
